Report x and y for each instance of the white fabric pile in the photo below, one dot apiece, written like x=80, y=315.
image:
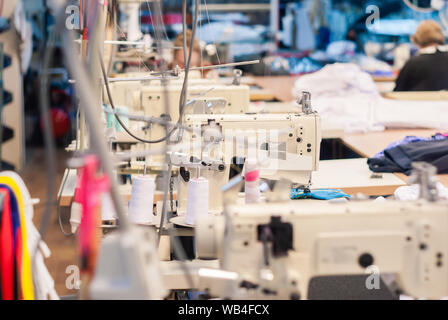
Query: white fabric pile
x=412, y=192
x=348, y=96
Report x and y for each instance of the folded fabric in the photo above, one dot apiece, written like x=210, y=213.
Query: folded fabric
x=349, y=98
x=319, y=194
x=410, y=139
x=400, y=158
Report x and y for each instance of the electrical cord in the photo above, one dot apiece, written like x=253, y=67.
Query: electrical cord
x=120, y=121
x=109, y=95
x=183, y=96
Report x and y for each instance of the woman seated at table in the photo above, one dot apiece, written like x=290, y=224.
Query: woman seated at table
x=428, y=71
x=197, y=57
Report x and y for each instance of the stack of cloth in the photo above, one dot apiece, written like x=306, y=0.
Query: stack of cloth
x=348, y=97
x=399, y=156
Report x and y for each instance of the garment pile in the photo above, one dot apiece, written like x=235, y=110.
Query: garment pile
x=399, y=156
x=347, y=96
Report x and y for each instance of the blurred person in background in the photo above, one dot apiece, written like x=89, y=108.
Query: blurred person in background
x=428, y=71
x=198, y=59
x=178, y=55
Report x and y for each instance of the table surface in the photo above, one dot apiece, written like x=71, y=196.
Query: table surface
x=280, y=86
x=334, y=174
x=369, y=144
x=68, y=190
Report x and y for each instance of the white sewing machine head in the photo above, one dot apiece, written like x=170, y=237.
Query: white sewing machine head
x=287, y=146
x=204, y=96
x=127, y=93
x=149, y=95
x=273, y=250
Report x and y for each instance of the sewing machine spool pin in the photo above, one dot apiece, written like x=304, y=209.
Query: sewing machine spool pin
x=305, y=102
x=425, y=175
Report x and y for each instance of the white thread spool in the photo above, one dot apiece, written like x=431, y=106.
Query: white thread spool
x=141, y=205
x=252, y=186
x=107, y=208
x=197, y=205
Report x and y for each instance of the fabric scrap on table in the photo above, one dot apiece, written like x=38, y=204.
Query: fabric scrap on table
x=319, y=194
x=410, y=139
x=400, y=158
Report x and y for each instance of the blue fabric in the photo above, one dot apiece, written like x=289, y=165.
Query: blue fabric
x=407, y=140
x=319, y=194
x=400, y=158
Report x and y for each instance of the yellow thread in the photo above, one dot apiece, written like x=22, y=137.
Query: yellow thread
x=26, y=274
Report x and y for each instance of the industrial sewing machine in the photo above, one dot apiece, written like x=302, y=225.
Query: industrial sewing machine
x=273, y=250
x=148, y=96
x=286, y=146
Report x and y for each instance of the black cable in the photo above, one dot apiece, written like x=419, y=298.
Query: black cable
x=109, y=95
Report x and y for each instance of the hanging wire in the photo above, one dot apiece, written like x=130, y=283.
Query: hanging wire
x=178, y=248
x=163, y=27
x=208, y=18
x=200, y=48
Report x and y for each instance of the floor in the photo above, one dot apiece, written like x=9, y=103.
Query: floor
x=63, y=249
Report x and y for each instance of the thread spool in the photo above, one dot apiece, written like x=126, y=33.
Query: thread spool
x=141, y=205
x=252, y=186
x=198, y=194
x=107, y=208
